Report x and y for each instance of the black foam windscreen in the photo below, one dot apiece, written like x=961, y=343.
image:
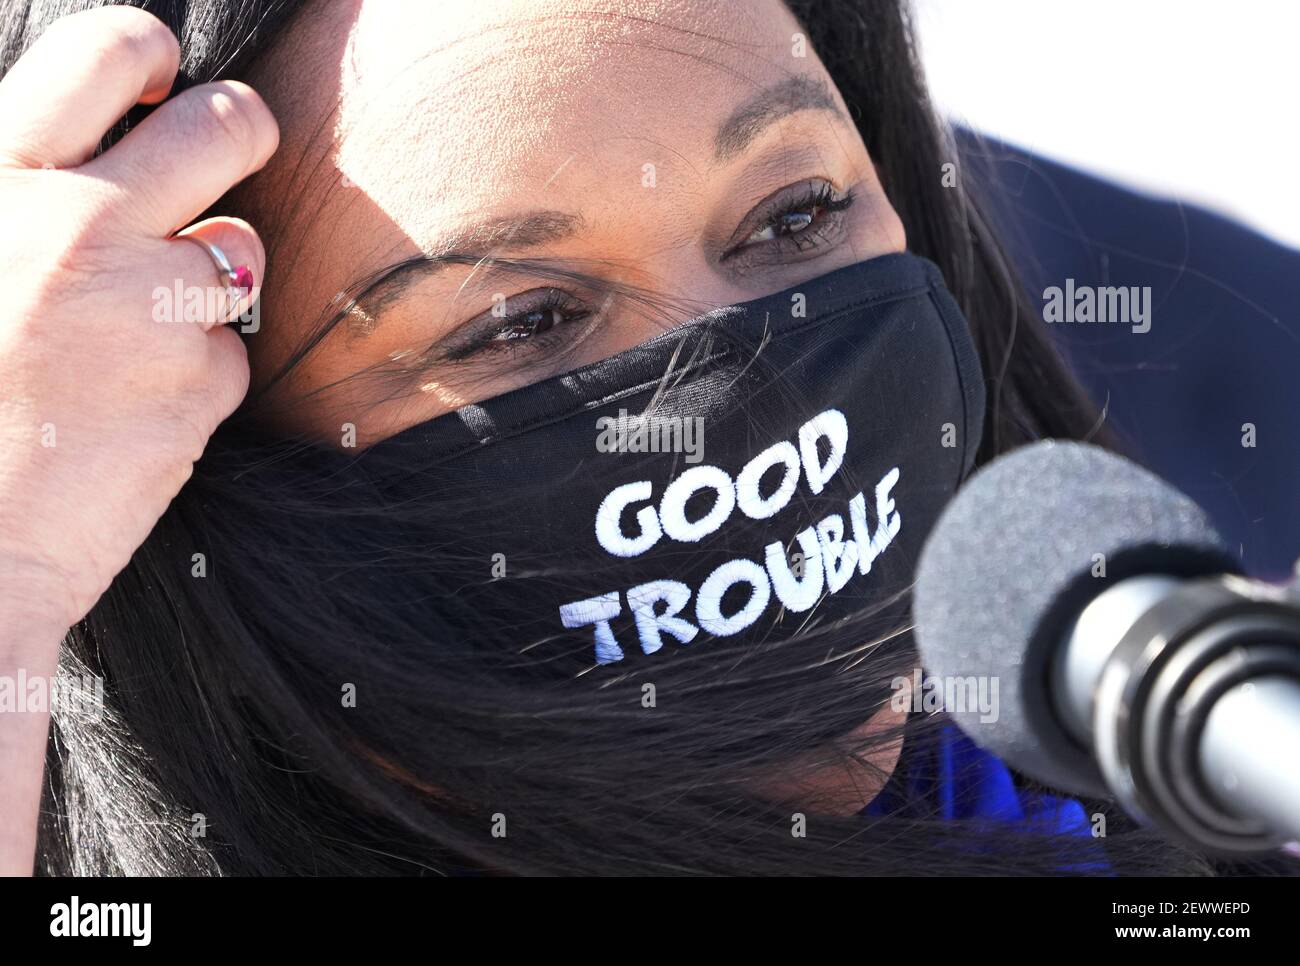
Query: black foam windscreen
x=1014, y=558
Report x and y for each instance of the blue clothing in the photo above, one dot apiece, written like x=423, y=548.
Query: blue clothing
x=958, y=780
x=1223, y=341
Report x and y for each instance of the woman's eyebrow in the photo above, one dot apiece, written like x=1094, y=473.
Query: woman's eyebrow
x=798, y=93
x=468, y=245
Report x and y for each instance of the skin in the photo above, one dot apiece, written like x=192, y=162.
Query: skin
x=103, y=410
x=439, y=117
x=400, y=127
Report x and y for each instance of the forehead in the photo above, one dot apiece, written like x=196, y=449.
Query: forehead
x=446, y=109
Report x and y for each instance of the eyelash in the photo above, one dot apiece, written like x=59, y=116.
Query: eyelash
x=554, y=302
x=821, y=201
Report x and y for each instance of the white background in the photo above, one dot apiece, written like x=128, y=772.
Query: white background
x=1189, y=99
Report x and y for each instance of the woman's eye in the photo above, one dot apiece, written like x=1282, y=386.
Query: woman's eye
x=528, y=324
x=795, y=220
x=532, y=319
x=790, y=223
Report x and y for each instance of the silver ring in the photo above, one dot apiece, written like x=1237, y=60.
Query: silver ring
x=237, y=278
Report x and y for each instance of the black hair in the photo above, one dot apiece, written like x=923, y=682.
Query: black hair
x=224, y=746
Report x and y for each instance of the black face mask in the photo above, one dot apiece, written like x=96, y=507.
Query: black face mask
x=756, y=474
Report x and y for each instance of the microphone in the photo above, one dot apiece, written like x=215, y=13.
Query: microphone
x=1131, y=656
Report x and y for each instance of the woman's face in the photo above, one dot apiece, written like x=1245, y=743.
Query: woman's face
x=695, y=151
